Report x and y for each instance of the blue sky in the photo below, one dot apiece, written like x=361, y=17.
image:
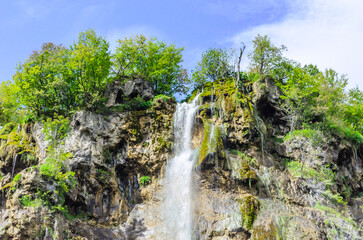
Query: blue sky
x=322, y=32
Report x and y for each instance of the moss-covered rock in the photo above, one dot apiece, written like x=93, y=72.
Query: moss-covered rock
x=249, y=208
x=212, y=142
x=246, y=173
x=268, y=232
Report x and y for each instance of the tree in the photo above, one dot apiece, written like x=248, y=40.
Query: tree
x=298, y=87
x=89, y=64
x=241, y=50
x=40, y=80
x=215, y=64
x=329, y=95
x=265, y=56
x=10, y=107
x=353, y=110
x=152, y=60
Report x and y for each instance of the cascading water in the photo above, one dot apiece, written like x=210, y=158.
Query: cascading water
x=177, y=220
x=14, y=164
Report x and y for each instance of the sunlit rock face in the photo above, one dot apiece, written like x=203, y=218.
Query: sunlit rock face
x=216, y=167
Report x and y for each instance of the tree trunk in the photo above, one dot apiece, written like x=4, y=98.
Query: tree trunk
x=242, y=49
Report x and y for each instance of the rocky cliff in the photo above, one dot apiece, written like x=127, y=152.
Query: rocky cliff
x=249, y=180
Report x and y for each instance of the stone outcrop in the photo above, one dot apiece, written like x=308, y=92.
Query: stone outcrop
x=109, y=155
x=249, y=182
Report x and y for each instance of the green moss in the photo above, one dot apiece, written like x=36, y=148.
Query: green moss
x=7, y=128
x=246, y=174
x=265, y=232
x=204, y=150
x=17, y=177
x=249, y=206
x=211, y=143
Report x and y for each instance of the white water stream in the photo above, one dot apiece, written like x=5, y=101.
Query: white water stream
x=177, y=210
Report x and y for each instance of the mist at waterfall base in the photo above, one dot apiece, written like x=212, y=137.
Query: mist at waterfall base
x=178, y=191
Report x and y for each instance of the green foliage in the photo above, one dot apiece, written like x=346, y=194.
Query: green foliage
x=215, y=64
x=10, y=108
x=17, y=177
x=336, y=198
x=348, y=133
x=41, y=80
x=54, y=168
x=353, y=110
x=265, y=56
x=315, y=136
x=334, y=213
x=7, y=128
x=28, y=201
x=58, y=80
x=102, y=175
x=325, y=174
x=144, y=180
x=160, y=96
x=153, y=60
x=89, y=64
x=15, y=181
x=56, y=129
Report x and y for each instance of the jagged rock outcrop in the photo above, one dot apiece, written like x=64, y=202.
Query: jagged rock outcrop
x=109, y=155
x=250, y=181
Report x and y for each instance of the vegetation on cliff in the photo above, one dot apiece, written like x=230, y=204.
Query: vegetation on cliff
x=275, y=123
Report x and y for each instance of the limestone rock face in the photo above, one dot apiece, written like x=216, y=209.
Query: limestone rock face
x=118, y=90
x=110, y=153
x=136, y=87
x=248, y=181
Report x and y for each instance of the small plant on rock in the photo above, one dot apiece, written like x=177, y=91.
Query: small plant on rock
x=144, y=180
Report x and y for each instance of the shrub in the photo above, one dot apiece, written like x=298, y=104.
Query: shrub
x=164, y=97
x=315, y=136
x=54, y=168
x=144, y=180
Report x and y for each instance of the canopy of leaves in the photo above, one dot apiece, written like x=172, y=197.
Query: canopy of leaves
x=41, y=80
x=58, y=80
x=215, y=64
x=265, y=56
x=10, y=108
x=152, y=60
x=89, y=64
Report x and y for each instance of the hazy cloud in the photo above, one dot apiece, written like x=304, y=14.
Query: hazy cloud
x=236, y=10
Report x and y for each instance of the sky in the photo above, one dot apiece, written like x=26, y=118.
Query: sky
x=327, y=33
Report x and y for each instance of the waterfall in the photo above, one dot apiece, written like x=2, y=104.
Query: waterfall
x=177, y=209
x=14, y=163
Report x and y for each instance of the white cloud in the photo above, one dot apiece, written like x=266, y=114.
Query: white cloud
x=327, y=33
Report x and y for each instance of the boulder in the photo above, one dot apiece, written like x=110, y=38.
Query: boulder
x=135, y=87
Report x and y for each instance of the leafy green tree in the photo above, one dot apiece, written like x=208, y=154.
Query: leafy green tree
x=10, y=108
x=353, y=110
x=215, y=64
x=89, y=64
x=40, y=80
x=152, y=60
x=298, y=87
x=329, y=95
x=265, y=56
